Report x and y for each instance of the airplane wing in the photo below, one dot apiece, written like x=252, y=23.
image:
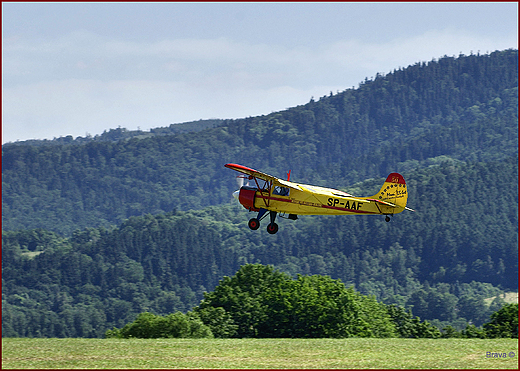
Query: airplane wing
x=249, y=171
x=289, y=184
x=263, y=176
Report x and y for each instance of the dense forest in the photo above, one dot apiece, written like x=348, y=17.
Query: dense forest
x=99, y=230
x=261, y=302
x=464, y=108
x=440, y=263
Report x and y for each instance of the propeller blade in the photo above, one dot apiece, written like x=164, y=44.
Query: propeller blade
x=240, y=180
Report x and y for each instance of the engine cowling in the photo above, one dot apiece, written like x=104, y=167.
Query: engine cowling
x=246, y=197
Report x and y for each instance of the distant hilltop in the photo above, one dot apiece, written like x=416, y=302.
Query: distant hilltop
x=114, y=135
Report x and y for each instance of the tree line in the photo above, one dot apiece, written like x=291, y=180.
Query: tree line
x=260, y=302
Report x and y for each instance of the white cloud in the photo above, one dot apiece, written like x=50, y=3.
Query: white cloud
x=82, y=82
x=76, y=107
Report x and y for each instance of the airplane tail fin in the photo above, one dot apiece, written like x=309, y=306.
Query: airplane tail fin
x=393, y=194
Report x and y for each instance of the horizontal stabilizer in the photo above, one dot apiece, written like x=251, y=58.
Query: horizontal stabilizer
x=388, y=204
x=382, y=202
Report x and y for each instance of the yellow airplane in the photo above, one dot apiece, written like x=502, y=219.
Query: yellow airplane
x=264, y=193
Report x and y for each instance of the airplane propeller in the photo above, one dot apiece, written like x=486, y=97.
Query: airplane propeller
x=240, y=180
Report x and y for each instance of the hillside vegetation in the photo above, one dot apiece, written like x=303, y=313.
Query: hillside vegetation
x=464, y=108
x=97, y=231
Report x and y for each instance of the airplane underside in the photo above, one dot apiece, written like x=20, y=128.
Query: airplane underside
x=272, y=227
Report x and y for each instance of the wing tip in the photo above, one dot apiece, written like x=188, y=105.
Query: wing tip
x=238, y=167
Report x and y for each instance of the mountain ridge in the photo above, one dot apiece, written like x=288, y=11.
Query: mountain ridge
x=337, y=141
x=96, y=233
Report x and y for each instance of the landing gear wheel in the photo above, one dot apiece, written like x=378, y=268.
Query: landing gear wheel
x=254, y=224
x=272, y=228
x=387, y=219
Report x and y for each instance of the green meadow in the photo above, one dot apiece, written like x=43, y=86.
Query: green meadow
x=259, y=353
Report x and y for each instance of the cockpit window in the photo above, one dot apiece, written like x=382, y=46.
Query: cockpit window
x=281, y=191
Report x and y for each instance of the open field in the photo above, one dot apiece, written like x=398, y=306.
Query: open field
x=259, y=353
x=509, y=297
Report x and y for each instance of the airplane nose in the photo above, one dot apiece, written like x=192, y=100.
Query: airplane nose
x=236, y=193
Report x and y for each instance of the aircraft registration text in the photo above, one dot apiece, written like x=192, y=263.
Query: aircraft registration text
x=334, y=202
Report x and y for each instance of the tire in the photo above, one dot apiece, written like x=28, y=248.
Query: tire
x=272, y=228
x=254, y=224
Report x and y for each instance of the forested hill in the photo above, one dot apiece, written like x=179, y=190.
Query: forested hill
x=443, y=261
x=463, y=108
x=95, y=233
x=115, y=135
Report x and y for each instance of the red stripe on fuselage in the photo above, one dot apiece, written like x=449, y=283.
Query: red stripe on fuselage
x=344, y=209
x=276, y=199
x=317, y=206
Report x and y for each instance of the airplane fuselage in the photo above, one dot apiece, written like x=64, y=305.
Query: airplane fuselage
x=303, y=199
x=270, y=195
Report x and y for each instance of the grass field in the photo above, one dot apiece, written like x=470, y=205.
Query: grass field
x=509, y=297
x=259, y=353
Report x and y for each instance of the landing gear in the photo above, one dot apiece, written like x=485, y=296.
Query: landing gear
x=272, y=228
x=254, y=224
x=387, y=218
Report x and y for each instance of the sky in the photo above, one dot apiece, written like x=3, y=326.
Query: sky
x=82, y=68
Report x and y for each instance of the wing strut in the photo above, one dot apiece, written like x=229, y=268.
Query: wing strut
x=269, y=184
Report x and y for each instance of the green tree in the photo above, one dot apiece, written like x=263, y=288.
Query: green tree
x=472, y=332
x=218, y=320
x=263, y=302
x=450, y=332
x=151, y=326
x=472, y=308
x=504, y=323
x=242, y=297
x=409, y=326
